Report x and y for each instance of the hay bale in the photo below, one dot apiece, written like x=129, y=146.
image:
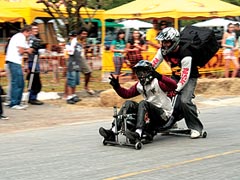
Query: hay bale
x=218, y=87
x=110, y=98
x=205, y=87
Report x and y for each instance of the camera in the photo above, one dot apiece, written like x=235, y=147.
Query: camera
x=36, y=44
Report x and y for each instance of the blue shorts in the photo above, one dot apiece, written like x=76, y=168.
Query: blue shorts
x=73, y=78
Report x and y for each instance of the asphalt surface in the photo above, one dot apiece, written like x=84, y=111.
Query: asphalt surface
x=58, y=142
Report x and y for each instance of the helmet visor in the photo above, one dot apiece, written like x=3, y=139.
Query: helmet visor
x=142, y=73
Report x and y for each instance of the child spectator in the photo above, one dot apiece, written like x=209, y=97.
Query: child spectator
x=73, y=68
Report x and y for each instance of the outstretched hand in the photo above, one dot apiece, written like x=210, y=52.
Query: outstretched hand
x=114, y=81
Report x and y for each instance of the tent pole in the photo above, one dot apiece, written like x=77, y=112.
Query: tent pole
x=103, y=29
x=176, y=23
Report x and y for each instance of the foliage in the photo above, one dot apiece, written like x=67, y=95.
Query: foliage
x=109, y=4
x=69, y=12
x=235, y=2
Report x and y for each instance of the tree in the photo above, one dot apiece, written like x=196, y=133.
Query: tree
x=69, y=12
x=109, y=4
x=235, y=2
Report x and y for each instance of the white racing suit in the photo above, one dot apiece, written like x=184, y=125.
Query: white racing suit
x=156, y=107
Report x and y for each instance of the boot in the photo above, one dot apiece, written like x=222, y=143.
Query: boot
x=107, y=134
x=133, y=136
x=169, y=124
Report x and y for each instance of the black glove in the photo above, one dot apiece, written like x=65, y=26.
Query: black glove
x=157, y=75
x=114, y=82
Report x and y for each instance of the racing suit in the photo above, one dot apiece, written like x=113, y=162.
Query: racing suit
x=156, y=107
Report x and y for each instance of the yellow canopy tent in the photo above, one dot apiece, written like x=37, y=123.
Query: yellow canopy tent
x=6, y=16
x=176, y=9
x=30, y=10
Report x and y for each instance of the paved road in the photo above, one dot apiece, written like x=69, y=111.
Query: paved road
x=74, y=151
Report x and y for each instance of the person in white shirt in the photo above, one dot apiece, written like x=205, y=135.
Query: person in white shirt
x=85, y=68
x=17, y=47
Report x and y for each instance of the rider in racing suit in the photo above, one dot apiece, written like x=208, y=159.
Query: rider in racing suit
x=178, y=55
x=156, y=108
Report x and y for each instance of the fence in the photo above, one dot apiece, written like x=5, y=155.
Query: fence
x=214, y=68
x=56, y=62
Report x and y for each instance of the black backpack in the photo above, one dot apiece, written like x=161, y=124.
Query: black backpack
x=201, y=41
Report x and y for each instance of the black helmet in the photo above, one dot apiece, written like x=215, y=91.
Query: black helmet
x=144, y=71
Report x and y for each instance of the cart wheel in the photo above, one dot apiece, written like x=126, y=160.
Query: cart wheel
x=104, y=142
x=204, y=134
x=138, y=145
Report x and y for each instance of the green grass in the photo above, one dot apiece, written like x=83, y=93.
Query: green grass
x=48, y=86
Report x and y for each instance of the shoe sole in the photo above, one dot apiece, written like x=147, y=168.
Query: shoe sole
x=77, y=100
x=130, y=136
x=103, y=133
x=4, y=118
x=22, y=108
x=70, y=102
x=195, y=137
x=91, y=92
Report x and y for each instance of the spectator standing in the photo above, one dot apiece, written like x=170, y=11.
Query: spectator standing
x=17, y=47
x=73, y=68
x=163, y=24
x=34, y=67
x=85, y=68
x=118, y=47
x=153, y=44
x=7, y=100
x=134, y=47
x=230, y=45
x=237, y=31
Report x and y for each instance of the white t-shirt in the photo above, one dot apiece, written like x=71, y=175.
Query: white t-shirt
x=13, y=55
x=71, y=48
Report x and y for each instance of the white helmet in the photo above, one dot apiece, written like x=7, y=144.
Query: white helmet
x=169, y=34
